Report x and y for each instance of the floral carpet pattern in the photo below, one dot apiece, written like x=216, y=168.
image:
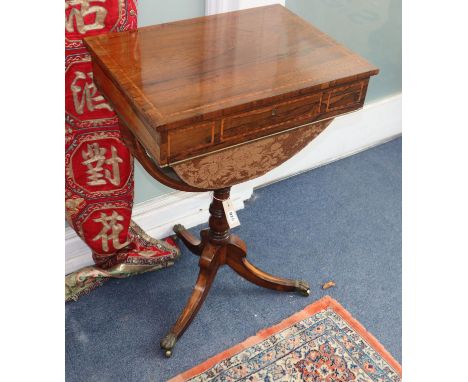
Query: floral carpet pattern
x=320, y=343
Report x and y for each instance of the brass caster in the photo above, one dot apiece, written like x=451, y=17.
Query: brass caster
x=178, y=228
x=303, y=288
x=168, y=343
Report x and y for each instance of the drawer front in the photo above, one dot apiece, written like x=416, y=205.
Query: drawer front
x=202, y=138
x=345, y=97
x=269, y=119
x=190, y=139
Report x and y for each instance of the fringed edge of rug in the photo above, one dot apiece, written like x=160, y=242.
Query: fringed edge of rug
x=315, y=307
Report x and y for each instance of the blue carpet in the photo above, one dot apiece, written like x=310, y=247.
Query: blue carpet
x=340, y=222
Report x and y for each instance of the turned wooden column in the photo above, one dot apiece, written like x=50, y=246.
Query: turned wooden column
x=219, y=231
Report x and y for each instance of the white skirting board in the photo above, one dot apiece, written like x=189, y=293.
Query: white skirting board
x=377, y=123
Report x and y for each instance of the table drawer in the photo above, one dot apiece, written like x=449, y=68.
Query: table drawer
x=267, y=119
x=345, y=97
x=190, y=139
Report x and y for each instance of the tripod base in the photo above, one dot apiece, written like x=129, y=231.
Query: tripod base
x=218, y=247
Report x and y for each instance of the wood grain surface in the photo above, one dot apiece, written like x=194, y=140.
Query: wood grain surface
x=200, y=85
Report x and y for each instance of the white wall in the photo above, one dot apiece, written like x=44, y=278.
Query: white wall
x=219, y=6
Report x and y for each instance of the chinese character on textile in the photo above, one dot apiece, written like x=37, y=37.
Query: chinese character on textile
x=98, y=166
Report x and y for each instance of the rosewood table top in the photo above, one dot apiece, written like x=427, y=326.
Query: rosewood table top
x=186, y=88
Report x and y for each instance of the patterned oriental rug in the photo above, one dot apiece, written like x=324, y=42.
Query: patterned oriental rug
x=98, y=165
x=321, y=343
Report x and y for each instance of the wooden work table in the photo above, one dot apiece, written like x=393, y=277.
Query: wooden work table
x=210, y=102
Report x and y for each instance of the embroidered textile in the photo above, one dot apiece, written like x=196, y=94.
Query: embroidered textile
x=98, y=166
x=150, y=255
x=239, y=164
